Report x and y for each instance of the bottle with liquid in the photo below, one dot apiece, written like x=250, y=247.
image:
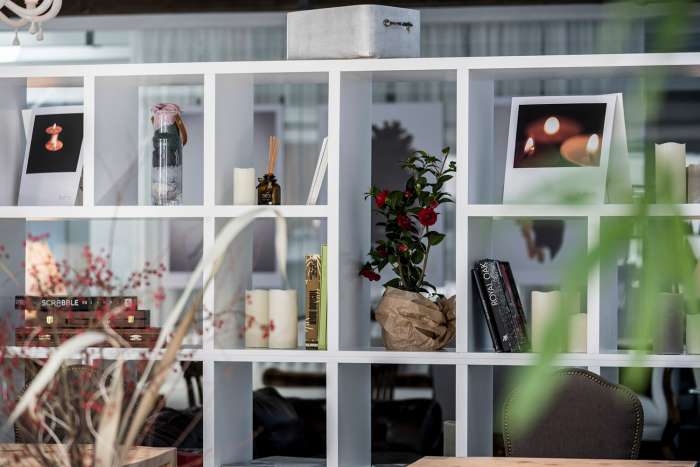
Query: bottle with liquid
x=269, y=191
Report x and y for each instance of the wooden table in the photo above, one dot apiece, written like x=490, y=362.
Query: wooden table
x=521, y=461
x=139, y=456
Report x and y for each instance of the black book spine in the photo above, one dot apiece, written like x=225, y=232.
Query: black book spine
x=486, y=308
x=491, y=281
x=520, y=311
x=512, y=309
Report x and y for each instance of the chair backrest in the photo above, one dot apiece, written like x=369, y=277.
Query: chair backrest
x=586, y=417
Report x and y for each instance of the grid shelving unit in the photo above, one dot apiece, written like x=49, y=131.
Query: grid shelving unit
x=109, y=93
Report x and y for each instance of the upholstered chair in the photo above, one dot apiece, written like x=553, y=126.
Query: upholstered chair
x=586, y=417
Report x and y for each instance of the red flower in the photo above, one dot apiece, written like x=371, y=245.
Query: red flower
x=403, y=248
x=380, y=198
x=434, y=204
x=381, y=251
x=404, y=222
x=369, y=274
x=427, y=216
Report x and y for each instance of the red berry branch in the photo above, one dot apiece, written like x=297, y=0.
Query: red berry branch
x=408, y=216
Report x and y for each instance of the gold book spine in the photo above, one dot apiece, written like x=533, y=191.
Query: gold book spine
x=312, y=303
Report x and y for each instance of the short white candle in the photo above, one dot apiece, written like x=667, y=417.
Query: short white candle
x=544, y=306
x=670, y=173
x=693, y=180
x=692, y=333
x=244, y=191
x=256, y=318
x=283, y=319
x=578, y=332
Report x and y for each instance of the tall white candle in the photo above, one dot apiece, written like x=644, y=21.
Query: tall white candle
x=670, y=173
x=256, y=318
x=578, y=332
x=692, y=333
x=544, y=306
x=670, y=329
x=283, y=319
x=244, y=192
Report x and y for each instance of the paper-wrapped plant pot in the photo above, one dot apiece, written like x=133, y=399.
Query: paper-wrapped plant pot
x=411, y=322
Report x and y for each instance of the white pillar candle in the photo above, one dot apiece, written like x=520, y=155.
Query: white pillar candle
x=578, y=333
x=693, y=181
x=544, y=306
x=256, y=318
x=669, y=331
x=670, y=173
x=244, y=191
x=283, y=319
x=692, y=333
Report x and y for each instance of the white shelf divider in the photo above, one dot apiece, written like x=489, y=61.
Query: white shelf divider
x=462, y=265
x=89, y=141
x=593, y=289
x=209, y=141
x=353, y=104
x=14, y=99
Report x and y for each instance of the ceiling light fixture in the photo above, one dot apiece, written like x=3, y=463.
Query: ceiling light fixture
x=32, y=15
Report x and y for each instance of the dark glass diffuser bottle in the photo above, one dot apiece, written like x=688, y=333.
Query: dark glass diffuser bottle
x=269, y=191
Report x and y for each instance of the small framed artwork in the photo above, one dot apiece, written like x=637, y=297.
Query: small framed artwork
x=53, y=158
x=567, y=149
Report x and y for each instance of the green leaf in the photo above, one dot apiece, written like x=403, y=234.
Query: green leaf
x=417, y=256
x=434, y=238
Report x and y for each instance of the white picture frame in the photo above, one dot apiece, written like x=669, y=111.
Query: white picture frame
x=589, y=184
x=50, y=187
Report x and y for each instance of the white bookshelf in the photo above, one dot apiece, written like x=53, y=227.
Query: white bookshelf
x=110, y=106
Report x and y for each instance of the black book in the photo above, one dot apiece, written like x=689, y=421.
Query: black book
x=490, y=277
x=486, y=308
x=511, y=311
x=519, y=310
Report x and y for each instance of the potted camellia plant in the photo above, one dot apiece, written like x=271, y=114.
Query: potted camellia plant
x=412, y=314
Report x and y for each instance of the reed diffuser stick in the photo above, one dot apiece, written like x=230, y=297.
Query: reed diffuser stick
x=273, y=146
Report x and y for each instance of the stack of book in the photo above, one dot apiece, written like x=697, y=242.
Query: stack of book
x=316, y=301
x=497, y=295
x=49, y=321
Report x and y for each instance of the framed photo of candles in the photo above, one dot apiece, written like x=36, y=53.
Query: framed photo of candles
x=567, y=148
x=53, y=158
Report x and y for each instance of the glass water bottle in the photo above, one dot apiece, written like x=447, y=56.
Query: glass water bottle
x=166, y=169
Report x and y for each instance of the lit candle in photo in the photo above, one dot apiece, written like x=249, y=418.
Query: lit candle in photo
x=529, y=147
x=54, y=144
x=593, y=145
x=551, y=125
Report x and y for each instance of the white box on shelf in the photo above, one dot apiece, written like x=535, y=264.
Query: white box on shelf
x=358, y=31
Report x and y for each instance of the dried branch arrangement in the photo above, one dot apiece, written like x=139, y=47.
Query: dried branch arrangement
x=94, y=414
